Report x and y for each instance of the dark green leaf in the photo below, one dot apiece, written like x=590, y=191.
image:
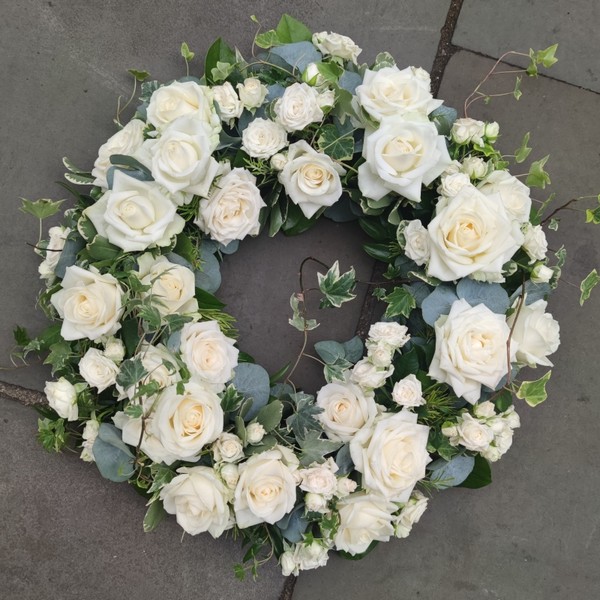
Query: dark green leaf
x=480, y=476
x=269, y=416
x=290, y=30
x=154, y=515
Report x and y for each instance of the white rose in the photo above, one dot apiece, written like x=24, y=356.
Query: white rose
x=408, y=392
x=228, y=448
x=315, y=502
x=369, y=376
x=470, y=349
x=391, y=454
x=172, y=286
x=535, y=242
x=468, y=130
x=318, y=480
x=98, y=370
x=513, y=193
x=62, y=397
x=326, y=99
x=185, y=423
x=255, y=432
x=470, y=433
x=410, y=514
x=541, y=274
x=231, y=211
x=298, y=107
x=198, y=499
x=266, y=490
x=311, y=179
x=181, y=158
x=491, y=131
x=391, y=92
x=160, y=365
x=334, y=44
x=230, y=474
x=90, y=304
x=263, y=138
x=536, y=334
x=278, y=161
x=345, y=486
x=379, y=353
x=208, y=353
x=230, y=106
x=364, y=518
x=252, y=92
x=312, y=556
x=389, y=332
x=401, y=156
x=188, y=99
x=416, y=242
x=56, y=242
x=475, y=167
x=126, y=141
x=135, y=215
x=313, y=76
x=451, y=184
x=114, y=349
x=89, y=435
x=288, y=563
x=346, y=408
x=484, y=410
x=471, y=234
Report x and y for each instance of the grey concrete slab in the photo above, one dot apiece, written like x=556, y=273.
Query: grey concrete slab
x=533, y=534
x=69, y=534
x=493, y=28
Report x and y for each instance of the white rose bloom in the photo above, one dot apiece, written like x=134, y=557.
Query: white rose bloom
x=471, y=234
x=263, y=138
x=451, y=184
x=172, y=286
x=389, y=332
x=298, y=107
x=364, y=518
x=135, y=215
x=379, y=353
x=391, y=454
x=232, y=209
x=252, y=92
x=255, y=432
x=266, y=491
x=288, y=563
x=185, y=423
x=315, y=502
x=114, y=349
x=312, y=556
x=208, y=353
x=417, y=243
x=188, y=99
x=513, y=193
x=369, y=376
x=198, y=499
x=230, y=106
x=228, y=448
x=345, y=486
x=89, y=435
x=318, y=480
x=126, y=141
x=410, y=514
x=90, y=304
x=335, y=44
x=56, y=242
x=278, y=161
x=535, y=242
x=401, y=156
x=536, y=334
x=541, y=274
x=62, y=397
x=468, y=130
x=470, y=433
x=181, y=158
x=98, y=370
x=475, y=167
x=311, y=179
x=470, y=349
x=346, y=408
x=408, y=392
x=484, y=410
x=230, y=474
x=391, y=92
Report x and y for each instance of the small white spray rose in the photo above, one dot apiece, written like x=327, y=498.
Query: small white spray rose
x=89, y=435
x=335, y=44
x=408, y=392
x=230, y=106
x=468, y=130
x=255, y=432
x=56, y=242
x=298, y=107
x=228, y=448
x=263, y=138
x=541, y=274
x=417, y=242
x=475, y=167
x=410, y=514
x=98, y=370
x=252, y=92
x=535, y=243
x=62, y=397
x=114, y=349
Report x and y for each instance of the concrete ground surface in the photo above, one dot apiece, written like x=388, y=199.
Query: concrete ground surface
x=532, y=535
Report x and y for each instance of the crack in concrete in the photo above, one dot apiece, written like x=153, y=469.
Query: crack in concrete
x=23, y=395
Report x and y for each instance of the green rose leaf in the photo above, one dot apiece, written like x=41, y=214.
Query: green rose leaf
x=480, y=476
x=337, y=288
x=534, y=392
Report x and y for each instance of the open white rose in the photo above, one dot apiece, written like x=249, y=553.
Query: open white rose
x=471, y=234
x=389, y=332
x=368, y=375
x=230, y=106
x=391, y=92
x=252, y=92
x=536, y=334
x=311, y=179
x=89, y=435
x=401, y=156
x=335, y=44
x=208, y=353
x=263, y=138
x=232, y=209
x=62, y=397
x=98, y=370
x=346, y=408
x=181, y=158
x=408, y=392
x=56, y=242
x=135, y=215
x=470, y=349
x=228, y=448
x=452, y=183
x=318, y=480
x=172, y=286
x=90, y=304
x=126, y=141
x=417, y=243
x=312, y=556
x=391, y=454
x=198, y=499
x=513, y=193
x=470, y=433
x=410, y=514
x=298, y=107
x=535, y=242
x=364, y=518
x=468, y=130
x=266, y=490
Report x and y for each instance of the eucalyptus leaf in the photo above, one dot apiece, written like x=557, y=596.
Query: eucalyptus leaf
x=298, y=55
x=68, y=256
x=208, y=278
x=451, y=473
x=113, y=458
x=493, y=295
x=438, y=303
x=252, y=381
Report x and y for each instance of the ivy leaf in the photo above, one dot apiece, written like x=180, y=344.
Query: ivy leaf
x=304, y=415
x=42, y=208
x=314, y=448
x=522, y=152
x=269, y=416
x=340, y=146
x=221, y=71
x=268, y=39
x=534, y=392
x=587, y=285
x=21, y=336
x=517, y=93
x=337, y=288
x=52, y=434
x=592, y=215
x=154, y=515
x=139, y=75
x=131, y=372
x=60, y=356
x=383, y=60
x=335, y=371
x=187, y=54
x=290, y=30
x=69, y=165
x=537, y=176
x=546, y=57
x=297, y=320
x=400, y=302
x=135, y=411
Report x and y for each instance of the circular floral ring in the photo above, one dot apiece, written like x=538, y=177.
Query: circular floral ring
x=148, y=375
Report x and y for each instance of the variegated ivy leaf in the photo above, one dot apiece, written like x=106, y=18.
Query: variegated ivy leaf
x=315, y=448
x=297, y=320
x=337, y=288
x=400, y=302
x=590, y=282
x=534, y=392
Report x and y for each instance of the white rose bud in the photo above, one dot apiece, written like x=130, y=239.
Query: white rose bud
x=288, y=564
x=114, y=349
x=255, y=432
x=315, y=502
x=312, y=75
x=56, y=242
x=410, y=514
x=468, y=130
x=475, y=167
x=491, y=131
x=541, y=274
x=368, y=376
x=408, y=392
x=278, y=162
x=230, y=106
x=417, y=242
x=62, y=397
x=252, y=92
x=535, y=243
x=484, y=410
x=230, y=474
x=89, y=435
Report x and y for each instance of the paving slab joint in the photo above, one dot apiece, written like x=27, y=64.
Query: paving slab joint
x=288, y=588
x=21, y=394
